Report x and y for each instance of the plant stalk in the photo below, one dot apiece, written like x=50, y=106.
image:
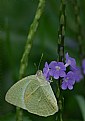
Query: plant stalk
x=24, y=60
x=79, y=36
x=61, y=36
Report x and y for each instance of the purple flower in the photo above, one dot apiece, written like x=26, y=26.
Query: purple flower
x=83, y=65
x=46, y=71
x=70, y=61
x=68, y=81
x=57, y=69
x=77, y=74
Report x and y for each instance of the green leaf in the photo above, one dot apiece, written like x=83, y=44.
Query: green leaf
x=81, y=102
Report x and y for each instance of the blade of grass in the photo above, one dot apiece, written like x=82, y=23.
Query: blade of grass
x=81, y=102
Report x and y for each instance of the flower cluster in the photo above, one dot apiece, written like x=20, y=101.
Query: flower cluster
x=59, y=70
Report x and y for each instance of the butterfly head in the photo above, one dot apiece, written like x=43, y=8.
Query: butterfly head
x=39, y=73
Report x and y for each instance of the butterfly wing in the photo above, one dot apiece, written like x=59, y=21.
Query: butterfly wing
x=15, y=94
x=34, y=94
x=39, y=98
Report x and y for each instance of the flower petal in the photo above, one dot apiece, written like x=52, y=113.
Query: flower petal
x=56, y=75
x=62, y=73
x=66, y=55
x=53, y=64
x=46, y=65
x=62, y=66
x=70, y=61
x=70, y=75
x=70, y=87
x=64, y=85
x=73, y=62
x=46, y=71
x=51, y=72
x=47, y=77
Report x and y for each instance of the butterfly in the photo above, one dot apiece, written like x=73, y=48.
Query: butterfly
x=34, y=94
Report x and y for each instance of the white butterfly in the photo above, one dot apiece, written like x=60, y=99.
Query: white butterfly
x=34, y=94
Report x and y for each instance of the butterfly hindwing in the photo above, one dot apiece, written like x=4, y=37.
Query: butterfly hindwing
x=40, y=100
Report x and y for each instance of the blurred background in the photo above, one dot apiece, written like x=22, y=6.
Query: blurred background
x=15, y=19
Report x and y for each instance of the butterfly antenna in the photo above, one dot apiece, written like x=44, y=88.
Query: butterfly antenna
x=40, y=61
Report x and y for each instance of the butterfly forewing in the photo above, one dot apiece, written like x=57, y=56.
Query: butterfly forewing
x=15, y=94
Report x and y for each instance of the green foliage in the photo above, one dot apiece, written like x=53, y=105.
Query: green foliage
x=81, y=102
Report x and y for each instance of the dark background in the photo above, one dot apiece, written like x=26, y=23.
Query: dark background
x=15, y=19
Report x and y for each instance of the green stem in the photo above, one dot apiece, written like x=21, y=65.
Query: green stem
x=61, y=35
x=79, y=36
x=33, y=28
x=24, y=60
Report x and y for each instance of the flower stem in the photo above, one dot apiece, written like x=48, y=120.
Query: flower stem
x=33, y=28
x=79, y=36
x=61, y=35
x=24, y=60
